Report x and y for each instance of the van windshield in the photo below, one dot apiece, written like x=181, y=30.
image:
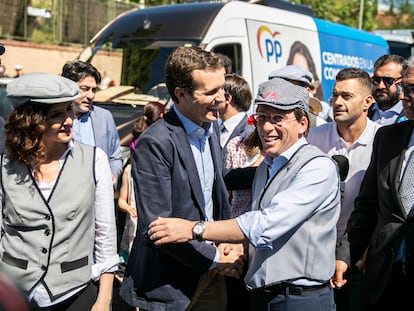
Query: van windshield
x=134, y=47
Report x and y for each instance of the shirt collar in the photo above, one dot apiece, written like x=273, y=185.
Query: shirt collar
x=192, y=129
x=71, y=149
x=288, y=153
x=397, y=108
x=84, y=117
x=232, y=122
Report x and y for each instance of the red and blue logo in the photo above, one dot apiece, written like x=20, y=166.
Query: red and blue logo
x=272, y=46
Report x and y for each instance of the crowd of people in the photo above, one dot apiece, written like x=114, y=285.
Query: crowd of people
x=282, y=209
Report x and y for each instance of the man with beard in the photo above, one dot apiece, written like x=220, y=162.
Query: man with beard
x=387, y=108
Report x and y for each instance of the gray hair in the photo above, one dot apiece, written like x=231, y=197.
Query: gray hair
x=408, y=64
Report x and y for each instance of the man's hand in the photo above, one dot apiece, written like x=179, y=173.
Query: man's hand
x=114, y=179
x=170, y=230
x=362, y=261
x=231, y=260
x=337, y=281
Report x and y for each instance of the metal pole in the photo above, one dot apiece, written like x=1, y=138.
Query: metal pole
x=361, y=14
x=25, y=20
x=85, y=34
x=60, y=21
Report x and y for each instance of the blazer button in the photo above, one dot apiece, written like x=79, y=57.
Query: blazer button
x=44, y=250
x=47, y=232
x=47, y=217
x=43, y=268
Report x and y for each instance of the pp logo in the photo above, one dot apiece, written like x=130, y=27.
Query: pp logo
x=273, y=47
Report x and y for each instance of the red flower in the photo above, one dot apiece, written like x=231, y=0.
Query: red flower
x=251, y=120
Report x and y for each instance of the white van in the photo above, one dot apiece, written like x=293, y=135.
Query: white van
x=259, y=38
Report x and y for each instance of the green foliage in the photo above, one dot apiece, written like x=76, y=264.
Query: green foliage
x=344, y=12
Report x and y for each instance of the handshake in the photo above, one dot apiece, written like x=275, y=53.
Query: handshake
x=232, y=260
x=175, y=230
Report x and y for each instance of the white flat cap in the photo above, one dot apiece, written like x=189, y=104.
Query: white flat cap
x=42, y=88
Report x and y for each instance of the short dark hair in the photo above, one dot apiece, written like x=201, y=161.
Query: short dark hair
x=355, y=73
x=182, y=62
x=227, y=62
x=78, y=70
x=236, y=86
x=389, y=58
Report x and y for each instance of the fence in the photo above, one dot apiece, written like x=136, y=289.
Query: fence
x=62, y=22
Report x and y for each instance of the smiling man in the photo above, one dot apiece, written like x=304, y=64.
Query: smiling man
x=291, y=228
x=177, y=172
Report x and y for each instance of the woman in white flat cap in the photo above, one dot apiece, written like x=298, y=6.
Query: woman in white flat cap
x=58, y=236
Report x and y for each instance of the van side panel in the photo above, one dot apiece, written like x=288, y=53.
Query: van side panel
x=273, y=46
x=277, y=38
x=343, y=47
x=266, y=35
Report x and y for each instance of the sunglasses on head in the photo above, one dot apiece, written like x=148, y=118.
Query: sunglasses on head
x=388, y=81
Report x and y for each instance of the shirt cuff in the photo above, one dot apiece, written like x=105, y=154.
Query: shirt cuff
x=251, y=224
x=109, y=265
x=215, y=260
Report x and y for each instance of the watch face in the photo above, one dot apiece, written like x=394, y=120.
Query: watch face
x=198, y=228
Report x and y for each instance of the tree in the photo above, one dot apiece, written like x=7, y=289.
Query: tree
x=401, y=12
x=344, y=12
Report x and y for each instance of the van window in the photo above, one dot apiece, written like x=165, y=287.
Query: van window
x=400, y=48
x=234, y=52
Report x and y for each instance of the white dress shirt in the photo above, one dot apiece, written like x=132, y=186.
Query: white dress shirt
x=229, y=126
x=326, y=138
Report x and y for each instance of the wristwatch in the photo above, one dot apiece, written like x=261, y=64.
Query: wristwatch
x=198, y=230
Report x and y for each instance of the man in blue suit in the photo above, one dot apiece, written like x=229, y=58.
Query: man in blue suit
x=93, y=125
x=177, y=172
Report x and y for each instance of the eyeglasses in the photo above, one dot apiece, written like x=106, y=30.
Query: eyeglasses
x=388, y=81
x=408, y=90
x=274, y=118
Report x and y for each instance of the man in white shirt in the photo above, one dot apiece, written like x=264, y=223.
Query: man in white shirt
x=351, y=135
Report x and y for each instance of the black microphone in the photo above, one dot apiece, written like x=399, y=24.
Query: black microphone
x=2, y=48
x=343, y=166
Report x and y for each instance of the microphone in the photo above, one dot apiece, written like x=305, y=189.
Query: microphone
x=343, y=166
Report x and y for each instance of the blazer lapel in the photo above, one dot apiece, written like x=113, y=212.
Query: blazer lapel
x=180, y=138
x=395, y=165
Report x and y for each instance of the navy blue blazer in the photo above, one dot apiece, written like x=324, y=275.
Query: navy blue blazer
x=167, y=184
x=379, y=221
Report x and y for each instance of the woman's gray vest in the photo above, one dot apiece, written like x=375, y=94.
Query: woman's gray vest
x=308, y=251
x=49, y=241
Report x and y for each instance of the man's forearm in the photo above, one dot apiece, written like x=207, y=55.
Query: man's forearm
x=178, y=230
x=224, y=231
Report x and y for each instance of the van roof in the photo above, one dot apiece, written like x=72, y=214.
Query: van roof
x=154, y=22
